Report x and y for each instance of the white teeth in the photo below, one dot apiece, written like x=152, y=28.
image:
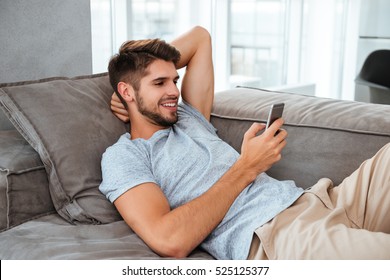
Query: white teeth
x=169, y=104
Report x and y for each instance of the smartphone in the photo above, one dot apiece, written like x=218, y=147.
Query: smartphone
x=275, y=113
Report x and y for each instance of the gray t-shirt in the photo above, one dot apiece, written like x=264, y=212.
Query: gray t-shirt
x=185, y=160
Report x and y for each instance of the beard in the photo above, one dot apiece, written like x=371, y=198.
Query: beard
x=156, y=117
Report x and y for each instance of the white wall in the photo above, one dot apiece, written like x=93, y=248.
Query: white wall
x=43, y=38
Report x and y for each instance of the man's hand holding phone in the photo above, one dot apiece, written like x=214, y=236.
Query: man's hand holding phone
x=260, y=152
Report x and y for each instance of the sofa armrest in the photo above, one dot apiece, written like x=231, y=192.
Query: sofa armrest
x=327, y=137
x=24, y=191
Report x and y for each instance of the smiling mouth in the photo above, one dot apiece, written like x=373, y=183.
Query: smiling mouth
x=170, y=104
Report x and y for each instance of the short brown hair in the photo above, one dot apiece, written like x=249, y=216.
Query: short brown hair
x=134, y=56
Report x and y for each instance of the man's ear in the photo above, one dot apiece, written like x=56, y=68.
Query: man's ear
x=126, y=91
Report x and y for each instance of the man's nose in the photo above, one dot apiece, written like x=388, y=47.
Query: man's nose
x=173, y=90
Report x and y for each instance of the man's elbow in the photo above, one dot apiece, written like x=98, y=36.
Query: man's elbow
x=171, y=249
x=176, y=253
x=202, y=33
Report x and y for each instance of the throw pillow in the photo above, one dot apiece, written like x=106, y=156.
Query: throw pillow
x=70, y=124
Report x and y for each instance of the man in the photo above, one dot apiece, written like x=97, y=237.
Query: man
x=178, y=186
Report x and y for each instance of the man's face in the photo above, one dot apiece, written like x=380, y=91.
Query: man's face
x=158, y=94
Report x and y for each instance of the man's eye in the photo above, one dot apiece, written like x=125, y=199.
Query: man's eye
x=159, y=83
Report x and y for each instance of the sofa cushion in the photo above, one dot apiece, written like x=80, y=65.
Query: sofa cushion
x=70, y=124
x=50, y=237
x=5, y=124
x=326, y=137
x=24, y=188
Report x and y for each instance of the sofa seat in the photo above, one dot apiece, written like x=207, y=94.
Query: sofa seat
x=51, y=237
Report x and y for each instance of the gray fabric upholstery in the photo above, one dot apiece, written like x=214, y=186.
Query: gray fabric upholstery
x=70, y=124
x=5, y=124
x=51, y=237
x=24, y=191
x=327, y=137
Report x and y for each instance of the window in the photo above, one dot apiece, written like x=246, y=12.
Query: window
x=291, y=45
x=152, y=19
x=258, y=34
x=115, y=21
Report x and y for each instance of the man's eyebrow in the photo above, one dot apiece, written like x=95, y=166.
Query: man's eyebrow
x=165, y=78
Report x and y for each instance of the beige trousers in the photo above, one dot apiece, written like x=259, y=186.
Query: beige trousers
x=351, y=221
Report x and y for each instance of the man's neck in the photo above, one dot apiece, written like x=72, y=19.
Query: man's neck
x=144, y=131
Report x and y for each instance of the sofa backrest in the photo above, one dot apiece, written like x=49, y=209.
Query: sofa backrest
x=327, y=137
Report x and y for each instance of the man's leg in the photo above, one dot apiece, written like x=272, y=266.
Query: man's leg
x=365, y=194
x=350, y=221
x=256, y=251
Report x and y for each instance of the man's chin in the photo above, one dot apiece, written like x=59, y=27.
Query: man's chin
x=172, y=119
x=167, y=122
x=171, y=122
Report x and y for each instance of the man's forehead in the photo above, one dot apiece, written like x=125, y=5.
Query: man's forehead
x=161, y=68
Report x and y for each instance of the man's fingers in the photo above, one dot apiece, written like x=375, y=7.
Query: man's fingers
x=281, y=135
x=123, y=118
x=275, y=127
x=115, y=97
x=119, y=110
x=118, y=104
x=253, y=130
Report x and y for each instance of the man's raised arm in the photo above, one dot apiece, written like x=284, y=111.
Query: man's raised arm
x=198, y=82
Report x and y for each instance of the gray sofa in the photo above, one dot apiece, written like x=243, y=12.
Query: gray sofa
x=54, y=131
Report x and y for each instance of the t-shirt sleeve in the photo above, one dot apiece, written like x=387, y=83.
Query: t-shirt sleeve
x=123, y=168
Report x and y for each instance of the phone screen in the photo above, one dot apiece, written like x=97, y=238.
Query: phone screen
x=275, y=113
